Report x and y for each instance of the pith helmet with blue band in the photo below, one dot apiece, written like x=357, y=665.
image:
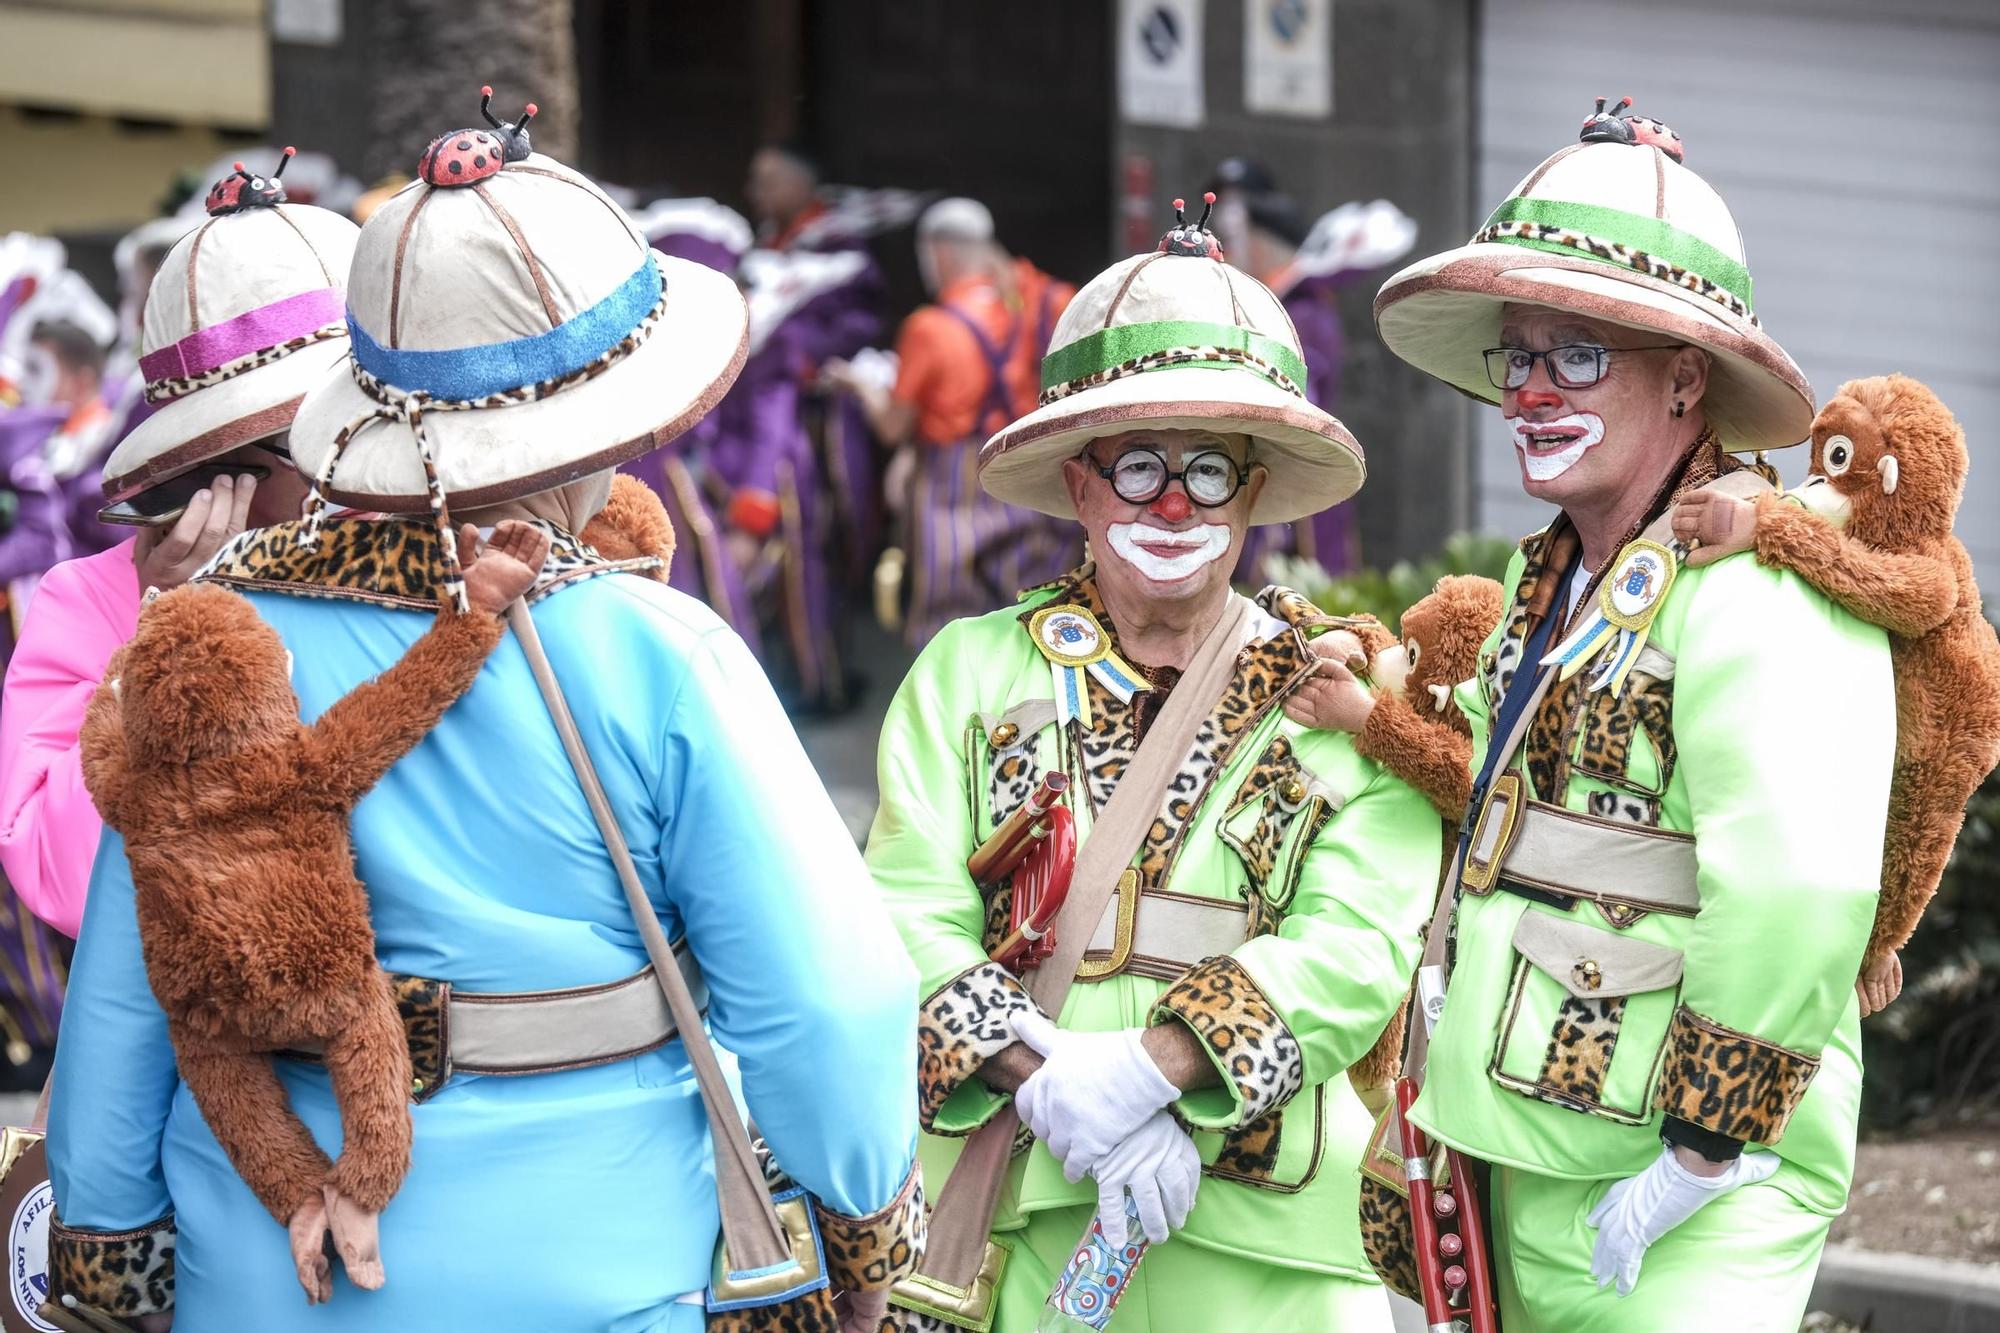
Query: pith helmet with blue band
x=1177, y=339
x=509, y=335
x=1614, y=228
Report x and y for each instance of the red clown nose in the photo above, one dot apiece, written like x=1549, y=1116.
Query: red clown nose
x=1172, y=506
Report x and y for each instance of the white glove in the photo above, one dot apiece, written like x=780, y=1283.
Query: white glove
x=1158, y=1163
x=1640, y=1209
x=1092, y=1091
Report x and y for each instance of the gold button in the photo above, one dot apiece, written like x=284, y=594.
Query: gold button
x=1003, y=735
x=1293, y=791
x=416, y=1086
x=1588, y=974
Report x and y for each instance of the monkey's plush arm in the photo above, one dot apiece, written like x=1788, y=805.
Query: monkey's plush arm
x=1905, y=592
x=103, y=744
x=1425, y=751
x=363, y=733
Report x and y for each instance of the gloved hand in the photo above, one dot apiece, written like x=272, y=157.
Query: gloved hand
x=1092, y=1091
x=1159, y=1165
x=1640, y=1209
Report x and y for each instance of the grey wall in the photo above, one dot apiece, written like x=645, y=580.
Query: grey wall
x=1402, y=130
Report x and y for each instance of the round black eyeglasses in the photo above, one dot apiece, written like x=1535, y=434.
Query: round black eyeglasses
x=1211, y=478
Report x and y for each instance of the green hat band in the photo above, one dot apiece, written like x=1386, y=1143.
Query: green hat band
x=1613, y=236
x=1134, y=349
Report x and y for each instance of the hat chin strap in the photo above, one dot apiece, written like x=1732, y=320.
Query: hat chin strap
x=408, y=408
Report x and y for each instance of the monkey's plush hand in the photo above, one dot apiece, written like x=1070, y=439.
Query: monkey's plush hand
x=1714, y=525
x=308, y=1233
x=1333, y=699
x=1880, y=983
x=505, y=567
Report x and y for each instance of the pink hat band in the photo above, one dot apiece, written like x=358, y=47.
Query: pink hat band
x=303, y=318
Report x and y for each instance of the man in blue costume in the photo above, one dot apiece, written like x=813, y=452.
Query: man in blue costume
x=509, y=353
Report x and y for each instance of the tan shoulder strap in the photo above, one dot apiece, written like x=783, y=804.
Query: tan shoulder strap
x=965, y=1205
x=752, y=1235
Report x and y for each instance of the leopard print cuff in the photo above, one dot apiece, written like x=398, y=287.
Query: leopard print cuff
x=1250, y=1043
x=1730, y=1082
x=877, y=1251
x=966, y=1023
x=122, y=1273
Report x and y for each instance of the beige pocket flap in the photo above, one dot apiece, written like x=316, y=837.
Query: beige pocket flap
x=1024, y=718
x=1594, y=964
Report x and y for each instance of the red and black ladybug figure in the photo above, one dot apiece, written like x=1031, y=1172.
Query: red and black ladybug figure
x=469, y=155
x=240, y=190
x=1614, y=126
x=1194, y=240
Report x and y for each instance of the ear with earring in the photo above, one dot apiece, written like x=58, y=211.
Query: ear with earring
x=1680, y=409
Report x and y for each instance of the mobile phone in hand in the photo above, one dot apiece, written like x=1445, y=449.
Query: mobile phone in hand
x=162, y=505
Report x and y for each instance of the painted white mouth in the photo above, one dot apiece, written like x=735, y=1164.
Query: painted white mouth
x=1551, y=448
x=1165, y=556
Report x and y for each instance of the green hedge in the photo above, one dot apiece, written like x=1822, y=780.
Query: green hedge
x=1387, y=593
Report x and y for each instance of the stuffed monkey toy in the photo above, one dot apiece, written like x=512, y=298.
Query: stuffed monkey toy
x=633, y=523
x=1872, y=529
x=254, y=928
x=1416, y=731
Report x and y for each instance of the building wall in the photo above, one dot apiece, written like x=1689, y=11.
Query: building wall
x=1401, y=129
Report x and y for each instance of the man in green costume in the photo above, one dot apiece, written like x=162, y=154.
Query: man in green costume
x=1265, y=929
x=1669, y=882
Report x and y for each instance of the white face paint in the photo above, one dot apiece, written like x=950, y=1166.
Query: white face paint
x=1172, y=556
x=1551, y=448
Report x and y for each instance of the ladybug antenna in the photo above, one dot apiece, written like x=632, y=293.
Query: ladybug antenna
x=526, y=116
x=1180, y=220
x=1624, y=105
x=1600, y=106
x=485, y=104
x=284, y=160
x=1208, y=206
x=238, y=164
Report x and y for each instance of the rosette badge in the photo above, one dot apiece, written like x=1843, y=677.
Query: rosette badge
x=511, y=331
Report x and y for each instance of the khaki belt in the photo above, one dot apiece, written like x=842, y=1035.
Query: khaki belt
x=1153, y=933
x=532, y=1032
x=1520, y=840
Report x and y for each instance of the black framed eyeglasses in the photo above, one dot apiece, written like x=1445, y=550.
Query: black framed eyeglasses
x=1571, y=366
x=1211, y=478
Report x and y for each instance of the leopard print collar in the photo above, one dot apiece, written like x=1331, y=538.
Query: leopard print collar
x=386, y=561
x=1267, y=670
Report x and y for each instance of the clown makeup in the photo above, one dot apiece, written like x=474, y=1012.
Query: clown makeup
x=1166, y=556
x=1551, y=448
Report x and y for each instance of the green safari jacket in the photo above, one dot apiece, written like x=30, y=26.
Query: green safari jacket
x=1333, y=860
x=1765, y=726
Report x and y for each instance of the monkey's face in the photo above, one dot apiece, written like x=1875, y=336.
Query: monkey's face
x=1849, y=460
x=1442, y=634
x=204, y=676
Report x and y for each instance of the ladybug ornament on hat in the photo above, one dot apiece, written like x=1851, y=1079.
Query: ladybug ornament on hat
x=241, y=190
x=465, y=156
x=1614, y=126
x=1193, y=240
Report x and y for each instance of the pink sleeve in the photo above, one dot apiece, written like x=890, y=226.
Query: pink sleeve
x=48, y=828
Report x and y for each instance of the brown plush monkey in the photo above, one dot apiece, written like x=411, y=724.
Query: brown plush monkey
x=1872, y=529
x=1416, y=731
x=633, y=523
x=254, y=928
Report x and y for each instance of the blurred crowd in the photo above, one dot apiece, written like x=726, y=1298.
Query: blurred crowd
x=835, y=478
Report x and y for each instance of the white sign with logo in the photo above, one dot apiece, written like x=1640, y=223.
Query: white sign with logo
x=1159, y=62
x=1288, y=57
x=27, y=1203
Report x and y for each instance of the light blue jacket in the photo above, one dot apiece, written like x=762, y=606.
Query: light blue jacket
x=569, y=1201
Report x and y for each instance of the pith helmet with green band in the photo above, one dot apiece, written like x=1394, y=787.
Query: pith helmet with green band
x=1615, y=228
x=1177, y=339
